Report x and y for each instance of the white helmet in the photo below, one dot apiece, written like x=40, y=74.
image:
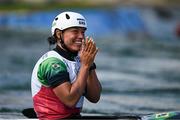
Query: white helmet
x=68, y=19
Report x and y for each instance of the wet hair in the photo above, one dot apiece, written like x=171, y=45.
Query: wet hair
x=51, y=40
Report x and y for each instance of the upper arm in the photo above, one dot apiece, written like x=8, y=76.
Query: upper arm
x=52, y=72
x=62, y=91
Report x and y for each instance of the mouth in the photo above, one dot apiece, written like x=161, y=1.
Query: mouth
x=78, y=42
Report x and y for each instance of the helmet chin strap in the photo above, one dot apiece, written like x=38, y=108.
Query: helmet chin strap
x=62, y=43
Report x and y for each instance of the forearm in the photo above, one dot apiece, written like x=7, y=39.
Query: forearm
x=93, y=87
x=69, y=93
x=78, y=87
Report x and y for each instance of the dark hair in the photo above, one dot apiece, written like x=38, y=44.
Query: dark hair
x=52, y=40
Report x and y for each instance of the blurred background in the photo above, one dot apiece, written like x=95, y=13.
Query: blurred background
x=138, y=62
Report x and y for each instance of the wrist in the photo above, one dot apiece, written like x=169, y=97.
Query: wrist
x=85, y=67
x=92, y=67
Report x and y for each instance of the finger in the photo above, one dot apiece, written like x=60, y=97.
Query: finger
x=83, y=44
x=97, y=49
x=91, y=45
x=95, y=52
x=86, y=44
x=94, y=47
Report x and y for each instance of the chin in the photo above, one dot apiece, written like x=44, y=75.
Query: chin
x=76, y=50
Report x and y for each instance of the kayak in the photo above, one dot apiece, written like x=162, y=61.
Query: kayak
x=172, y=115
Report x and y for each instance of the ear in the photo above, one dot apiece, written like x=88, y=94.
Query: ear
x=58, y=33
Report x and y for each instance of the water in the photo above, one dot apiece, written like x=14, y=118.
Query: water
x=137, y=76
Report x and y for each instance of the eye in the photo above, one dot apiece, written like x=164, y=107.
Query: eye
x=75, y=31
x=83, y=32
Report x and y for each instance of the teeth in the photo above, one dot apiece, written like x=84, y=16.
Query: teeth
x=78, y=42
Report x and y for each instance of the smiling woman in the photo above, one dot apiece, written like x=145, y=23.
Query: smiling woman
x=65, y=75
x=72, y=38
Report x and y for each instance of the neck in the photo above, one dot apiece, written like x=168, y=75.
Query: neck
x=65, y=49
x=67, y=54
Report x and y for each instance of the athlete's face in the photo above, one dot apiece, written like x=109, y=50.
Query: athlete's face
x=73, y=38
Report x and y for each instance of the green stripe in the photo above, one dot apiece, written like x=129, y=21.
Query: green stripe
x=48, y=68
